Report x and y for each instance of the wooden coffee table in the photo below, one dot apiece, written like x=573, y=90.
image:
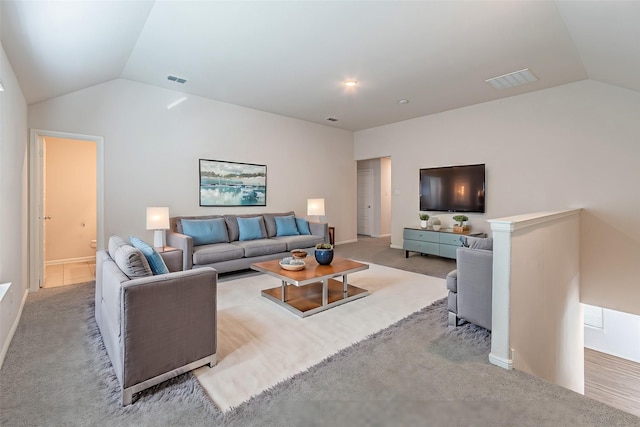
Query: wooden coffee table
x=313, y=289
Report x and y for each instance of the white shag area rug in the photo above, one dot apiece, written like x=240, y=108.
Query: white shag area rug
x=261, y=344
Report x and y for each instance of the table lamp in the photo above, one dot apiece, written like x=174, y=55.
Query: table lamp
x=158, y=220
x=315, y=207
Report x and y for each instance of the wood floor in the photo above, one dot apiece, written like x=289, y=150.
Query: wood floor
x=612, y=380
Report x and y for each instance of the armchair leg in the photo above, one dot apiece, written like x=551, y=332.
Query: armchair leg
x=127, y=396
x=212, y=361
x=454, y=320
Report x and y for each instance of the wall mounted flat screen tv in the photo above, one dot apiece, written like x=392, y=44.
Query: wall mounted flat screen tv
x=453, y=189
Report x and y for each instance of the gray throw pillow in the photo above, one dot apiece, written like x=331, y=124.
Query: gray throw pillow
x=477, y=243
x=129, y=259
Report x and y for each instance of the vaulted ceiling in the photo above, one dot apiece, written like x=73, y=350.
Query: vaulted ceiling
x=293, y=57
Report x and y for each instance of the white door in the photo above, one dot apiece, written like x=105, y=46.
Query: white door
x=365, y=199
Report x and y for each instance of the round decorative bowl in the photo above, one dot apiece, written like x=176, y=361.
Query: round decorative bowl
x=292, y=264
x=299, y=253
x=324, y=256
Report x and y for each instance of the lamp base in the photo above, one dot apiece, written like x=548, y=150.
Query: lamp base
x=158, y=239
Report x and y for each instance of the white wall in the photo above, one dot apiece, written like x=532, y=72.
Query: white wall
x=13, y=202
x=152, y=151
x=619, y=336
x=573, y=146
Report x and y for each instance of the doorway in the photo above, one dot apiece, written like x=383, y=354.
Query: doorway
x=374, y=197
x=66, y=207
x=365, y=202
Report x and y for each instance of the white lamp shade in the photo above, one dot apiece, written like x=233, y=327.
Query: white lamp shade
x=315, y=207
x=157, y=218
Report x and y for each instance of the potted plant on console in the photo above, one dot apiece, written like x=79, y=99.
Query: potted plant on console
x=324, y=253
x=435, y=223
x=423, y=220
x=461, y=227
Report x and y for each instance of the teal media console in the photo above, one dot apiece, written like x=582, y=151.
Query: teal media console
x=442, y=243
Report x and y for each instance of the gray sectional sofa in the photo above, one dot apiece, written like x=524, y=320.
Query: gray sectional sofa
x=232, y=242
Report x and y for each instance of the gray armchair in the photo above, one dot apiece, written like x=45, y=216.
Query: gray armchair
x=154, y=327
x=470, y=287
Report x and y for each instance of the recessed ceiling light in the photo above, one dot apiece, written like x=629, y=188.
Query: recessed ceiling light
x=403, y=101
x=516, y=78
x=351, y=83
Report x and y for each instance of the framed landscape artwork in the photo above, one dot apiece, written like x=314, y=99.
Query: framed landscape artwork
x=232, y=184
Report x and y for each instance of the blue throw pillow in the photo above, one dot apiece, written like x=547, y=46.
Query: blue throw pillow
x=153, y=258
x=250, y=228
x=303, y=226
x=206, y=231
x=286, y=226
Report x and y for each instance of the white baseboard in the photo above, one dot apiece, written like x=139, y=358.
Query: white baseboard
x=396, y=246
x=12, y=331
x=501, y=362
x=70, y=260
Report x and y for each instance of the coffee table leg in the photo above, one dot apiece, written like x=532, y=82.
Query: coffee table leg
x=325, y=291
x=284, y=291
x=345, y=284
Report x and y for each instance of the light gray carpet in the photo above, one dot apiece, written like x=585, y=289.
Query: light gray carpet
x=417, y=372
x=379, y=251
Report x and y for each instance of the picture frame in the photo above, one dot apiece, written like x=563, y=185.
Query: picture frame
x=224, y=183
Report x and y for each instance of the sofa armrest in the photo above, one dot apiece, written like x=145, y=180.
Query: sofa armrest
x=168, y=321
x=320, y=229
x=475, y=285
x=184, y=242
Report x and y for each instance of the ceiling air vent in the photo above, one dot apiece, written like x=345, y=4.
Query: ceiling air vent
x=177, y=79
x=516, y=78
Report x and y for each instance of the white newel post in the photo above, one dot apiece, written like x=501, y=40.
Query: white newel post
x=500, y=312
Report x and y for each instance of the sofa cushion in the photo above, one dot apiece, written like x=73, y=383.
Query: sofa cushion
x=153, y=257
x=250, y=228
x=270, y=222
x=286, y=226
x=477, y=243
x=300, y=242
x=217, y=252
x=261, y=247
x=206, y=231
x=303, y=226
x=232, y=225
x=176, y=222
x=128, y=259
